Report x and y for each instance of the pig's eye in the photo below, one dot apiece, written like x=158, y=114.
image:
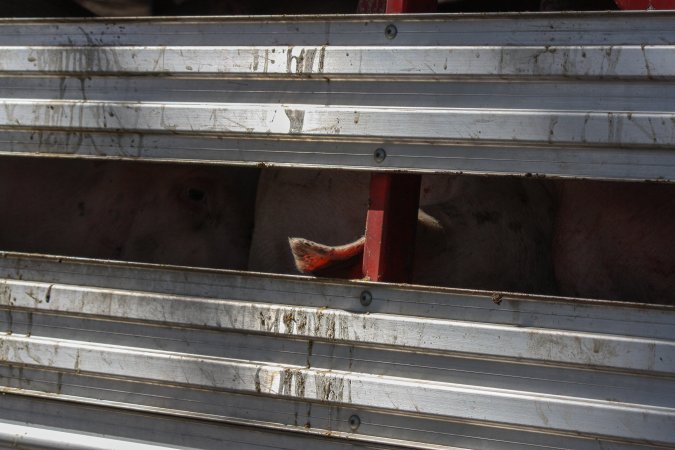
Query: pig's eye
x=196, y=195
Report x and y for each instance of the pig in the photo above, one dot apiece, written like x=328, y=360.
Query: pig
x=473, y=232
x=616, y=241
x=589, y=239
x=187, y=215
x=42, y=8
x=317, y=205
x=110, y=8
x=214, y=7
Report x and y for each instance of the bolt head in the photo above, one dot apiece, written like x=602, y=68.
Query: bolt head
x=380, y=155
x=354, y=422
x=390, y=31
x=366, y=298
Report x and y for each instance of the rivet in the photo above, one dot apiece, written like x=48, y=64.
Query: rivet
x=380, y=155
x=354, y=422
x=366, y=298
x=390, y=31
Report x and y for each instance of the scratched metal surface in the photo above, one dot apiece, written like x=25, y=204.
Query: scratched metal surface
x=571, y=95
x=235, y=352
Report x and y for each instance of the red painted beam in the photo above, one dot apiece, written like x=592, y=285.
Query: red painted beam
x=391, y=223
x=396, y=6
x=411, y=6
x=645, y=4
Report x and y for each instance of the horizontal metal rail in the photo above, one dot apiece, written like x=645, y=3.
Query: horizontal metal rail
x=417, y=367
x=586, y=95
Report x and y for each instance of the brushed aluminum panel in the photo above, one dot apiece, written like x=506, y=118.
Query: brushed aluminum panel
x=587, y=95
x=294, y=352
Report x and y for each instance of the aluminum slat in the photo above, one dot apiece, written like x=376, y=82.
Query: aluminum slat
x=420, y=367
x=568, y=95
x=31, y=421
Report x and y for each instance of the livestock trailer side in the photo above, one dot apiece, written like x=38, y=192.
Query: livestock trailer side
x=96, y=353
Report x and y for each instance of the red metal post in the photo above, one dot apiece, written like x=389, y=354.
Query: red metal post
x=411, y=6
x=391, y=226
x=396, y=6
x=645, y=4
x=391, y=223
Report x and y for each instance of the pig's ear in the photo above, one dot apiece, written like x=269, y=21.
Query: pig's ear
x=311, y=256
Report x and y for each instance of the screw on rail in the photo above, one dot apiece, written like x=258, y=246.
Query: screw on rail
x=379, y=155
x=390, y=31
x=366, y=298
x=354, y=422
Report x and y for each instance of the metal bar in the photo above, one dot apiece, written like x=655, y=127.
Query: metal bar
x=424, y=367
x=439, y=63
x=37, y=421
x=42, y=412
x=627, y=319
x=569, y=161
x=364, y=390
x=500, y=30
x=23, y=435
x=579, y=95
x=391, y=224
x=333, y=324
x=561, y=128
